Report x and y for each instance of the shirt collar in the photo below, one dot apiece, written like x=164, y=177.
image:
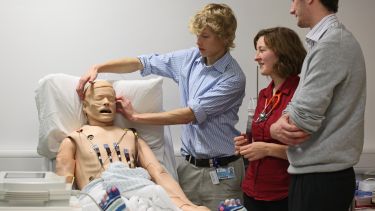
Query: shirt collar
x=319, y=29
x=284, y=88
x=221, y=64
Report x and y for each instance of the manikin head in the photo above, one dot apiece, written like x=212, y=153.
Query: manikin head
x=99, y=103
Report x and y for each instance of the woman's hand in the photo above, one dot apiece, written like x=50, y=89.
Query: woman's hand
x=255, y=150
x=240, y=141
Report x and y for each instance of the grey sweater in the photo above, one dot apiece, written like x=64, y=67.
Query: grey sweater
x=330, y=103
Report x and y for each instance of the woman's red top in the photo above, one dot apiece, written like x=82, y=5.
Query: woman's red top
x=267, y=179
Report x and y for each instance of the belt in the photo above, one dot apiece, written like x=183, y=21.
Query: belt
x=213, y=162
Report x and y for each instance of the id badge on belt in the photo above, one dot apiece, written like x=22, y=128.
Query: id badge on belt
x=222, y=173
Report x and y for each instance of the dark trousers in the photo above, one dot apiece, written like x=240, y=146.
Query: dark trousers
x=322, y=191
x=255, y=205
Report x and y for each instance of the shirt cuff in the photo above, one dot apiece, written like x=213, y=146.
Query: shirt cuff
x=146, y=65
x=199, y=113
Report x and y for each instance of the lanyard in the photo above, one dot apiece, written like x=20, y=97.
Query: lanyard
x=270, y=106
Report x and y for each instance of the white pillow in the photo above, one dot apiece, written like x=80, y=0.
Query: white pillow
x=146, y=97
x=60, y=110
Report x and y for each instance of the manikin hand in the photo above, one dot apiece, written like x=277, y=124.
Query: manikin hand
x=89, y=76
x=239, y=141
x=287, y=132
x=125, y=107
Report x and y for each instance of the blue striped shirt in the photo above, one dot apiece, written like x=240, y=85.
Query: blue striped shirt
x=214, y=93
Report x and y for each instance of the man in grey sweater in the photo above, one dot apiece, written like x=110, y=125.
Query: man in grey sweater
x=324, y=122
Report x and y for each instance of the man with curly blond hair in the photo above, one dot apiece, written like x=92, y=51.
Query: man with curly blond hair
x=212, y=87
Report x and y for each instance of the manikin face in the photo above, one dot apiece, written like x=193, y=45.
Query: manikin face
x=210, y=46
x=100, y=104
x=266, y=58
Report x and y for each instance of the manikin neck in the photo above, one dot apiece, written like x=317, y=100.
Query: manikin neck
x=100, y=124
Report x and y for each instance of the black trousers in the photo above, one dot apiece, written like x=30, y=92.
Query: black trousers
x=255, y=205
x=322, y=191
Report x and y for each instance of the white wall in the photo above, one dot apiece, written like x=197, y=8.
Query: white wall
x=40, y=37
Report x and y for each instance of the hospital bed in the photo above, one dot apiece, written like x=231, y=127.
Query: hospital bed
x=60, y=113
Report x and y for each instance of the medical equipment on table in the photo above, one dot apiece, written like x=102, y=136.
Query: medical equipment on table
x=31, y=189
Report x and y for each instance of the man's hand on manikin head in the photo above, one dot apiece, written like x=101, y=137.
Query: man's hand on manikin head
x=125, y=107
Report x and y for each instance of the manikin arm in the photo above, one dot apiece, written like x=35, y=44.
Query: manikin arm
x=65, y=160
x=162, y=178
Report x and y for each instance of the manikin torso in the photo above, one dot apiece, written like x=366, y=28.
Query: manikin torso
x=87, y=165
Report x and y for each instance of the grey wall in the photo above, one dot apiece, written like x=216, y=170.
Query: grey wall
x=40, y=37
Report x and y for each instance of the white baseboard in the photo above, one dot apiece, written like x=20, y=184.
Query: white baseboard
x=22, y=153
